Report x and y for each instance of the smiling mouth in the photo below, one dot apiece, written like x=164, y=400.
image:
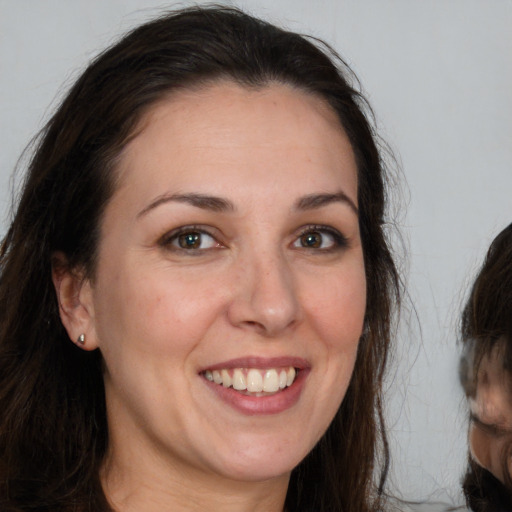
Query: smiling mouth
x=253, y=381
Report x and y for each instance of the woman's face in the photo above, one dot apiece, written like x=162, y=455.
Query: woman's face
x=230, y=288
x=490, y=435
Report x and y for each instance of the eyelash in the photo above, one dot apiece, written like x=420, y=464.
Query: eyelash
x=339, y=240
x=169, y=240
x=491, y=429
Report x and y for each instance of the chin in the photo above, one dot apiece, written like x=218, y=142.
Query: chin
x=263, y=461
x=250, y=471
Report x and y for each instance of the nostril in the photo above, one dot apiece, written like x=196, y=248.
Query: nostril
x=254, y=326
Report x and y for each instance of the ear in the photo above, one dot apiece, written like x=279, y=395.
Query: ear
x=74, y=295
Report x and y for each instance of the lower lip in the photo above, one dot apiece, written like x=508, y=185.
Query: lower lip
x=256, y=405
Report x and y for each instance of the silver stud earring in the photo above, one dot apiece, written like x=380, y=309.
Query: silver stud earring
x=81, y=339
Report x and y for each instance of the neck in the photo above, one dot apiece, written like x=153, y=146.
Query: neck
x=135, y=487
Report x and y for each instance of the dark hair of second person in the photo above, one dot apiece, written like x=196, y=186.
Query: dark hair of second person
x=486, y=376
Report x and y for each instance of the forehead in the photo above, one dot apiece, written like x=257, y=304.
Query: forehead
x=230, y=97
x=492, y=370
x=269, y=132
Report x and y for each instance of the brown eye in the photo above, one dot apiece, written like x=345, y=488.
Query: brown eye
x=312, y=240
x=322, y=238
x=189, y=240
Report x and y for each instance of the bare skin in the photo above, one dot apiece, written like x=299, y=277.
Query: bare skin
x=232, y=243
x=490, y=433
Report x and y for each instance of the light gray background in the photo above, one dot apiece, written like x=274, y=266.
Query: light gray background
x=438, y=74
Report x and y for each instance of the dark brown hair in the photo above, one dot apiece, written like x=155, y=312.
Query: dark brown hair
x=53, y=431
x=486, y=322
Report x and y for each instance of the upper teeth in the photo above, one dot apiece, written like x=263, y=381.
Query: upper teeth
x=252, y=379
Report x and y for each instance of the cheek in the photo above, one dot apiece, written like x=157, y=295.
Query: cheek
x=479, y=445
x=489, y=453
x=156, y=309
x=338, y=309
x=337, y=313
x=184, y=302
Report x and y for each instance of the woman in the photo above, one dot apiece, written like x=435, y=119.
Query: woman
x=487, y=379
x=203, y=219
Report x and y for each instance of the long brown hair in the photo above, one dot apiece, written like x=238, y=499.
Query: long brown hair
x=486, y=325
x=53, y=431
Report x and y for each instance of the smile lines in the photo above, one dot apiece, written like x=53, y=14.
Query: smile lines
x=253, y=380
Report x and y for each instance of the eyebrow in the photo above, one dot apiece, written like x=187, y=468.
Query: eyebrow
x=219, y=204
x=205, y=202
x=315, y=201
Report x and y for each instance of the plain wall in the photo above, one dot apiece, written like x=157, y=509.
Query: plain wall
x=439, y=76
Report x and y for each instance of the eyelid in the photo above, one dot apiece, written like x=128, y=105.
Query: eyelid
x=166, y=240
x=340, y=240
x=489, y=428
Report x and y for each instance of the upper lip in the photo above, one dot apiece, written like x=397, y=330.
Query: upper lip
x=260, y=362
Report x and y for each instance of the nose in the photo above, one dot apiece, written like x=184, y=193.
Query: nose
x=265, y=298
x=479, y=447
